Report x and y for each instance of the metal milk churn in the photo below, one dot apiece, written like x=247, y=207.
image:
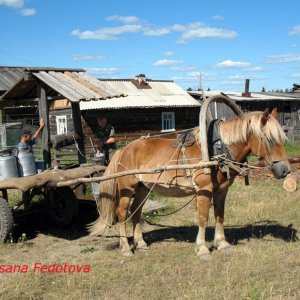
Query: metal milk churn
x=26, y=163
x=8, y=165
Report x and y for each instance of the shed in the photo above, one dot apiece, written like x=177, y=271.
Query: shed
x=288, y=105
x=38, y=87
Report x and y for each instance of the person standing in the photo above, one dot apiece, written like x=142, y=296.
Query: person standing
x=28, y=138
x=106, y=135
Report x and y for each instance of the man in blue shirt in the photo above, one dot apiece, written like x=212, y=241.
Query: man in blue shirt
x=28, y=139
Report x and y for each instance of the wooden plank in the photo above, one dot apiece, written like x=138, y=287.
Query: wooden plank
x=78, y=129
x=73, y=84
x=100, y=94
x=58, y=86
x=44, y=113
x=200, y=165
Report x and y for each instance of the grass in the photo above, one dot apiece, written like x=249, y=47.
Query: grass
x=292, y=149
x=262, y=224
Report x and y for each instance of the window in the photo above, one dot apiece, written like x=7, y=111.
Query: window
x=61, y=123
x=168, y=121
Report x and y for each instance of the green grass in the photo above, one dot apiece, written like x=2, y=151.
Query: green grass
x=292, y=150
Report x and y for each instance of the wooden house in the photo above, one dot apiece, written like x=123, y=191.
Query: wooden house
x=147, y=106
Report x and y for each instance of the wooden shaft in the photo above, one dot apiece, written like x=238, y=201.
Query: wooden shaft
x=44, y=113
x=78, y=129
x=199, y=165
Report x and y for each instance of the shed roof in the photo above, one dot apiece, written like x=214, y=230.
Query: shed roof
x=158, y=94
x=73, y=84
x=238, y=97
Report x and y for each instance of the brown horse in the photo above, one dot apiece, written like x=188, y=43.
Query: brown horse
x=258, y=133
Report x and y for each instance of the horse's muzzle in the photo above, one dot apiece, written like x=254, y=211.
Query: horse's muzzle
x=280, y=169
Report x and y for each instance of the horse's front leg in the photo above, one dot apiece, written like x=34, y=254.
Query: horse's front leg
x=122, y=213
x=203, y=204
x=219, y=204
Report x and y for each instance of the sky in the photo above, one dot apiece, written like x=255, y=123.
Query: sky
x=223, y=42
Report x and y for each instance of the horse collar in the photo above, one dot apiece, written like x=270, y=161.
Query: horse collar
x=215, y=143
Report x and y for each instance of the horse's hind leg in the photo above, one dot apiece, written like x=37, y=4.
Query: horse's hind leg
x=141, y=193
x=122, y=213
x=219, y=204
x=203, y=204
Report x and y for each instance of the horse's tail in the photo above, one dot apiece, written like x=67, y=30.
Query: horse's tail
x=107, y=201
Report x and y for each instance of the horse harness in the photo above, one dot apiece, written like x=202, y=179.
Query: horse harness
x=217, y=150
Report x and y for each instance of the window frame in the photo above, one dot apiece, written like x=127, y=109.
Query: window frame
x=172, y=120
x=58, y=124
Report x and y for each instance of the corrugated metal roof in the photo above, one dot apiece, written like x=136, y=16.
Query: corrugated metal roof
x=161, y=94
x=237, y=96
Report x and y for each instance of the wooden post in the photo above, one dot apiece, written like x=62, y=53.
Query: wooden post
x=44, y=113
x=78, y=129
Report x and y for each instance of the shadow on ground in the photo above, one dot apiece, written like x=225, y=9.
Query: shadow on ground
x=234, y=234
x=36, y=223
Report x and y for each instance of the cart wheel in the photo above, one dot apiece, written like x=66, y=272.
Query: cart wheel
x=6, y=220
x=63, y=204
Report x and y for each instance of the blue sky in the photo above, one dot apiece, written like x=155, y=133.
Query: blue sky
x=225, y=41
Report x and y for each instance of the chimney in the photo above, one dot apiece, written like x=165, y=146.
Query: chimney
x=246, y=93
x=140, y=82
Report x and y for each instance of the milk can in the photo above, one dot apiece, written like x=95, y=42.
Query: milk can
x=8, y=165
x=26, y=163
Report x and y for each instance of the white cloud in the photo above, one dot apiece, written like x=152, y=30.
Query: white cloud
x=12, y=3
x=284, y=58
x=83, y=57
x=295, y=75
x=254, y=69
x=195, y=30
x=157, y=32
x=169, y=53
x=166, y=62
x=102, y=71
x=183, y=68
x=200, y=31
x=106, y=33
x=27, y=12
x=232, y=64
x=218, y=18
x=295, y=30
x=123, y=19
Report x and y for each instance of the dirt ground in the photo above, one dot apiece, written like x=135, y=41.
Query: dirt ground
x=262, y=224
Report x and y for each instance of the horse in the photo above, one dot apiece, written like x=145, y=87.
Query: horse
x=258, y=133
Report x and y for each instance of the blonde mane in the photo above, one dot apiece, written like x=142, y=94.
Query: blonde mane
x=238, y=130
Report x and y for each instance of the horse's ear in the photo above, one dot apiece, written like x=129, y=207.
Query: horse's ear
x=274, y=112
x=265, y=117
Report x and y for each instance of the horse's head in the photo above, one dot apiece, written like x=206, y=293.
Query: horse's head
x=267, y=144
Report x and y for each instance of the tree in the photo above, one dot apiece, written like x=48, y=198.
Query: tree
x=189, y=89
x=208, y=89
x=263, y=90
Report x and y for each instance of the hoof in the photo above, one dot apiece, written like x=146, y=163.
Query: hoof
x=202, y=252
x=224, y=247
x=142, y=246
x=127, y=253
x=143, y=249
